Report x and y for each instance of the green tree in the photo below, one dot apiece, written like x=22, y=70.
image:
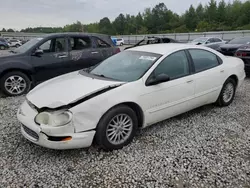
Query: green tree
x=105, y=26
x=10, y=30
x=119, y=24
x=191, y=18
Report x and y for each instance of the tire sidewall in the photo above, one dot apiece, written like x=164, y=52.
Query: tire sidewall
x=101, y=137
x=222, y=102
x=7, y=75
x=2, y=48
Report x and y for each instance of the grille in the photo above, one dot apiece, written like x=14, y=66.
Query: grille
x=33, y=134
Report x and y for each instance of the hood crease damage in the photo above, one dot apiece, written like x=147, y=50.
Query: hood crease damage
x=80, y=100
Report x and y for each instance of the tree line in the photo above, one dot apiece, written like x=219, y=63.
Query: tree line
x=159, y=19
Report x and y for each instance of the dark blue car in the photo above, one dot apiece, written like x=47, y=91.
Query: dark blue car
x=3, y=44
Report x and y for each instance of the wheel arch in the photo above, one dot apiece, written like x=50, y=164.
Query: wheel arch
x=235, y=78
x=135, y=107
x=26, y=72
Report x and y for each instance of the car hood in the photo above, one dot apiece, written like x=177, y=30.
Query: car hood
x=68, y=89
x=231, y=45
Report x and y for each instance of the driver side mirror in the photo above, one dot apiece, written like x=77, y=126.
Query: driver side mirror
x=207, y=42
x=158, y=79
x=38, y=52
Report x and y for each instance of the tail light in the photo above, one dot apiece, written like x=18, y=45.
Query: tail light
x=241, y=54
x=117, y=50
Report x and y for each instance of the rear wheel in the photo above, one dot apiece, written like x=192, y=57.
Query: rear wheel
x=227, y=93
x=116, y=128
x=17, y=45
x=121, y=44
x=15, y=83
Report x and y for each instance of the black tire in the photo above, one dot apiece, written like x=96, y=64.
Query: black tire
x=121, y=44
x=15, y=73
x=221, y=101
x=17, y=45
x=101, y=135
x=2, y=47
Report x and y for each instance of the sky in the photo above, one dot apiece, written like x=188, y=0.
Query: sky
x=19, y=14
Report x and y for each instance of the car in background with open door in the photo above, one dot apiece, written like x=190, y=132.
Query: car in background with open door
x=153, y=40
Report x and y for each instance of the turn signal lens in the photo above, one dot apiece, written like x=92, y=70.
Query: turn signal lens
x=67, y=139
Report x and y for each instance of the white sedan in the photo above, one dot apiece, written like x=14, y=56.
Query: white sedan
x=133, y=89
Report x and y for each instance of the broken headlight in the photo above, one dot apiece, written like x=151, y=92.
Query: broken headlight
x=54, y=119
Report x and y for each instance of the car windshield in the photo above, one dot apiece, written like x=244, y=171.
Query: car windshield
x=126, y=66
x=27, y=45
x=244, y=40
x=202, y=39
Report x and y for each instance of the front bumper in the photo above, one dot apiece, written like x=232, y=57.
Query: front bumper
x=34, y=133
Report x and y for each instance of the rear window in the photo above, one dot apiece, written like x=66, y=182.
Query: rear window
x=119, y=39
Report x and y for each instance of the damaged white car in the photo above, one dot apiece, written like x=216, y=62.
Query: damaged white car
x=133, y=89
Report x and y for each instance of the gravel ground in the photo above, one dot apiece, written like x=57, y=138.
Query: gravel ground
x=207, y=147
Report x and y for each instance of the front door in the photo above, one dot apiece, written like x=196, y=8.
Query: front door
x=170, y=98
x=53, y=62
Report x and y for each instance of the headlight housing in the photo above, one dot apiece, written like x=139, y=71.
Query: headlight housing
x=55, y=119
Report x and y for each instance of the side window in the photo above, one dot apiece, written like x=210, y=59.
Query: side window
x=100, y=43
x=54, y=45
x=203, y=59
x=217, y=40
x=46, y=46
x=175, y=66
x=211, y=40
x=79, y=43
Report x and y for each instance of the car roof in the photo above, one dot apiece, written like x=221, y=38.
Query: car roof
x=74, y=33
x=163, y=48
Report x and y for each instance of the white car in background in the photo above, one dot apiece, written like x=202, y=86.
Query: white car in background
x=15, y=43
x=133, y=89
x=211, y=42
x=119, y=41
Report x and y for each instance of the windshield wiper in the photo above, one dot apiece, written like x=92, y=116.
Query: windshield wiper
x=100, y=75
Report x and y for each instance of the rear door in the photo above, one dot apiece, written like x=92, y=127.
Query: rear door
x=103, y=47
x=209, y=76
x=53, y=62
x=82, y=53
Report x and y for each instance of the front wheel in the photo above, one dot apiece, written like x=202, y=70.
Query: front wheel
x=116, y=128
x=2, y=47
x=227, y=93
x=17, y=45
x=15, y=83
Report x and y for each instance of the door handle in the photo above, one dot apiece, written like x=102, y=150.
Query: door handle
x=189, y=81
x=94, y=52
x=222, y=71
